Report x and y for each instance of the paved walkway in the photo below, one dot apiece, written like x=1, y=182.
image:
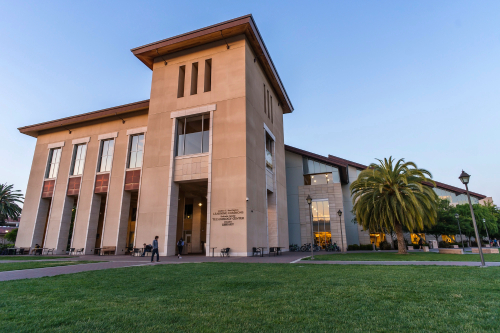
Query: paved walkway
x=129, y=261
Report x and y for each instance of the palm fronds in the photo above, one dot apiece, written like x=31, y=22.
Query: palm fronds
x=9, y=200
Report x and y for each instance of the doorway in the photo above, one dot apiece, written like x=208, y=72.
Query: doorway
x=192, y=216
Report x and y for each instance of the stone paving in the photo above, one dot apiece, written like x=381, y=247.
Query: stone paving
x=129, y=261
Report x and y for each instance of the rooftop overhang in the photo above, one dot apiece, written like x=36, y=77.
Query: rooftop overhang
x=238, y=26
x=34, y=130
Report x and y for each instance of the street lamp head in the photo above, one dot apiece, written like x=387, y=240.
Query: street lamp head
x=464, y=177
x=309, y=199
x=456, y=216
x=339, y=213
x=484, y=220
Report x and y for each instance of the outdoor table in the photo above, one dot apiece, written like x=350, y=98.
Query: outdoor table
x=141, y=251
x=262, y=250
x=39, y=250
x=278, y=250
x=213, y=250
x=12, y=251
x=97, y=251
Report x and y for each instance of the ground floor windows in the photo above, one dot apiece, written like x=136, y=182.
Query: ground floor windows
x=416, y=237
x=377, y=238
x=321, y=222
x=448, y=238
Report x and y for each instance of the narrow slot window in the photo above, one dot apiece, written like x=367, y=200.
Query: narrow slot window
x=136, y=151
x=53, y=163
x=180, y=137
x=194, y=79
x=208, y=75
x=78, y=160
x=265, y=104
x=271, y=110
x=106, y=158
x=182, y=78
x=269, y=113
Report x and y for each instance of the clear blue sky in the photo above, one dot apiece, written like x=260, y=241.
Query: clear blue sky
x=368, y=79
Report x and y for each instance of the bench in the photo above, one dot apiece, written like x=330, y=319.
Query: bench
x=485, y=250
x=108, y=249
x=451, y=251
x=410, y=248
x=24, y=250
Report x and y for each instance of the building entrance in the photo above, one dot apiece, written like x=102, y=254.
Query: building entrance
x=192, y=216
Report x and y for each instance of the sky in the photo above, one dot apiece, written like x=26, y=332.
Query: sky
x=417, y=80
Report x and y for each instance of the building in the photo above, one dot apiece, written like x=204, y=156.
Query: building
x=203, y=159
x=327, y=179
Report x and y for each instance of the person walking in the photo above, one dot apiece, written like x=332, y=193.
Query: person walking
x=180, y=245
x=155, y=250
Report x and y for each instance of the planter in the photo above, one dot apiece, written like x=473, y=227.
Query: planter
x=425, y=248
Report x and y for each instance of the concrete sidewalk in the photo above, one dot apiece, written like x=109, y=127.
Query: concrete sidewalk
x=129, y=261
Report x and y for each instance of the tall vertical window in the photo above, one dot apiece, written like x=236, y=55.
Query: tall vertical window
x=53, y=163
x=208, y=75
x=271, y=109
x=182, y=78
x=268, y=109
x=78, y=160
x=321, y=222
x=106, y=157
x=265, y=100
x=269, y=152
x=194, y=79
x=193, y=135
x=136, y=151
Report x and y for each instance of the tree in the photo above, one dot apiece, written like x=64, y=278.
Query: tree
x=9, y=200
x=393, y=196
x=11, y=236
x=446, y=223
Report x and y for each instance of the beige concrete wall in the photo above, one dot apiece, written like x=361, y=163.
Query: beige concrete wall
x=255, y=160
x=57, y=232
x=156, y=206
x=191, y=168
x=332, y=192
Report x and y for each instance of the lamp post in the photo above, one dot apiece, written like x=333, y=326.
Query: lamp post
x=487, y=236
x=460, y=231
x=464, y=178
x=309, y=202
x=341, y=234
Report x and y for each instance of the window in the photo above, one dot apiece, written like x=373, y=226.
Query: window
x=319, y=179
x=377, y=238
x=312, y=167
x=265, y=100
x=136, y=151
x=106, y=157
x=78, y=160
x=188, y=211
x=269, y=152
x=193, y=135
x=321, y=222
x=268, y=109
x=53, y=163
x=208, y=75
x=416, y=237
x=182, y=77
x=271, y=110
x=194, y=79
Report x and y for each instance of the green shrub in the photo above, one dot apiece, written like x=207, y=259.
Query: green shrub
x=385, y=245
x=353, y=247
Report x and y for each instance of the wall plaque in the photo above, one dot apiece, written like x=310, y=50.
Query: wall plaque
x=228, y=216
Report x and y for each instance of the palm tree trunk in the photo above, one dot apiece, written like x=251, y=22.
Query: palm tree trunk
x=401, y=240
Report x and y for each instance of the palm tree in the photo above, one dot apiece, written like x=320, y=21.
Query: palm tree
x=8, y=202
x=392, y=196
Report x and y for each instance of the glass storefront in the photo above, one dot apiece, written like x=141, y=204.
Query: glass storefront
x=416, y=237
x=377, y=238
x=321, y=222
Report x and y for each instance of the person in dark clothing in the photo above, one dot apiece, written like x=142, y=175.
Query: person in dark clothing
x=155, y=250
x=420, y=242
x=147, y=248
x=180, y=245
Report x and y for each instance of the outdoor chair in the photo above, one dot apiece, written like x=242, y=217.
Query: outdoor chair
x=272, y=250
x=80, y=251
x=24, y=250
x=256, y=251
x=50, y=251
x=224, y=252
x=136, y=252
x=71, y=251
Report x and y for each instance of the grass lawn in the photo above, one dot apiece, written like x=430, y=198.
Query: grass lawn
x=13, y=266
x=234, y=297
x=393, y=256
x=28, y=257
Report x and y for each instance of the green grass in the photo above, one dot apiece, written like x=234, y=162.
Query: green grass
x=13, y=266
x=27, y=257
x=393, y=256
x=233, y=297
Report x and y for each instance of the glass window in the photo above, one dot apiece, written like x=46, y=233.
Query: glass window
x=321, y=222
x=269, y=152
x=136, y=151
x=106, y=158
x=53, y=166
x=78, y=160
x=193, y=135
